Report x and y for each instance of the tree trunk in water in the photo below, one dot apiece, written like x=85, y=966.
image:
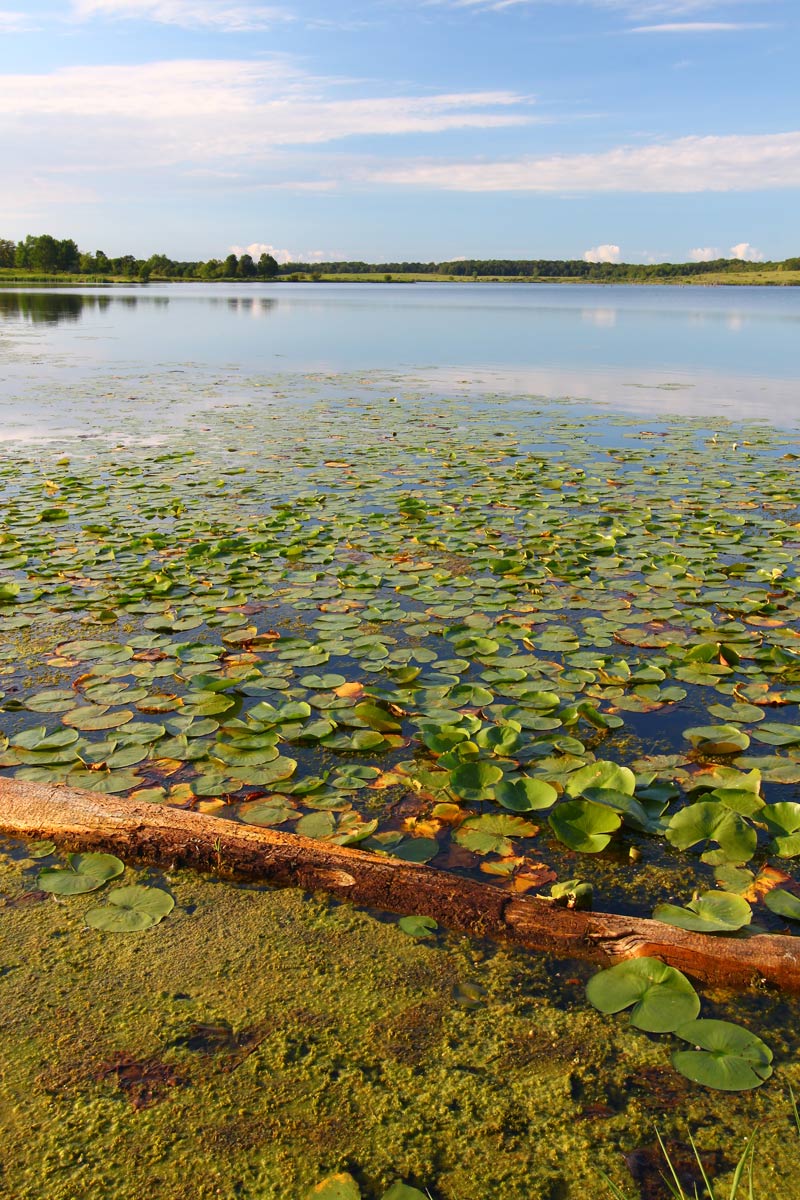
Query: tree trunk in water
x=145, y=833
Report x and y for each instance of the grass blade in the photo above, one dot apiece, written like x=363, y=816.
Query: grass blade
x=612, y=1187
x=747, y=1154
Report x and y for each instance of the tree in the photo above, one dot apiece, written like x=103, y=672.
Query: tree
x=230, y=265
x=246, y=268
x=267, y=266
x=68, y=255
x=6, y=253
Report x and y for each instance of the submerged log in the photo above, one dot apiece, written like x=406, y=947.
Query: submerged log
x=170, y=837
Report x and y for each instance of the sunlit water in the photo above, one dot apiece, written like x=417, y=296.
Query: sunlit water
x=657, y=350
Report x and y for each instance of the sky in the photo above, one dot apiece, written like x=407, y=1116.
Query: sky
x=384, y=130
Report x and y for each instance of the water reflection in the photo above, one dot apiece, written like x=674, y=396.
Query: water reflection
x=51, y=308
x=54, y=308
x=602, y=318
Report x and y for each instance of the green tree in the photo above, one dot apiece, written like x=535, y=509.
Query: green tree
x=230, y=266
x=267, y=266
x=7, y=249
x=247, y=268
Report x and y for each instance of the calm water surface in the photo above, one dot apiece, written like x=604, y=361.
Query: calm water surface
x=695, y=351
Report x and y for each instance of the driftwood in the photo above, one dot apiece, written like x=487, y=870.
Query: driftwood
x=145, y=833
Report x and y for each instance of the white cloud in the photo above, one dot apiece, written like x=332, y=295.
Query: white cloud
x=737, y=162
x=701, y=27
x=746, y=253
x=15, y=22
x=634, y=10
x=210, y=112
x=29, y=198
x=603, y=254
x=704, y=254
x=188, y=14
x=256, y=249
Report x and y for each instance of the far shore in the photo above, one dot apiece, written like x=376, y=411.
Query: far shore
x=755, y=278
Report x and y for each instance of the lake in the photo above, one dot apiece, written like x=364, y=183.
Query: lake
x=695, y=351
x=498, y=579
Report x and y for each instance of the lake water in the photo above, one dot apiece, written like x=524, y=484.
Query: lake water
x=694, y=351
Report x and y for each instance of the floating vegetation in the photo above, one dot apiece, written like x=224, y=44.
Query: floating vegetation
x=480, y=638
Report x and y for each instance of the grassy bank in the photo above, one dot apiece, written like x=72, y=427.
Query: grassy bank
x=754, y=278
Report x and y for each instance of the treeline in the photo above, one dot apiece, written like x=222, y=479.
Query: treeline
x=541, y=268
x=50, y=256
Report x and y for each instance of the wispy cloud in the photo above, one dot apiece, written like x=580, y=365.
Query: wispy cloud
x=704, y=254
x=702, y=27
x=16, y=22
x=634, y=10
x=689, y=164
x=188, y=14
x=194, y=113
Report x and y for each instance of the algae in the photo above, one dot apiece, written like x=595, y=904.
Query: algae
x=258, y=1040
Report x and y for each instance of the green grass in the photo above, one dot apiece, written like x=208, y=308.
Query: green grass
x=755, y=278
x=743, y=1172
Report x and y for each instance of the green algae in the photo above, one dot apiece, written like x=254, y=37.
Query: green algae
x=259, y=1040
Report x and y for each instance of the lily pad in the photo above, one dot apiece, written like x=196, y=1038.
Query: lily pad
x=662, y=998
x=131, y=909
x=525, y=794
x=710, y=821
x=336, y=1187
x=475, y=780
x=784, y=903
x=86, y=873
x=783, y=822
x=713, y=912
x=726, y=1056
x=418, y=927
x=584, y=825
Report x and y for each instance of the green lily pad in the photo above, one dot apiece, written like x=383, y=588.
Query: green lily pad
x=40, y=740
x=416, y=850
x=403, y=1191
x=86, y=873
x=717, y=739
x=726, y=1056
x=663, y=999
x=525, y=794
x=336, y=1187
x=784, y=903
x=601, y=774
x=418, y=927
x=41, y=849
x=490, y=833
x=584, y=825
x=783, y=822
x=710, y=821
x=713, y=912
x=131, y=909
x=475, y=780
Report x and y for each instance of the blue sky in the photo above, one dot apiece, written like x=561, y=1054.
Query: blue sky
x=630, y=130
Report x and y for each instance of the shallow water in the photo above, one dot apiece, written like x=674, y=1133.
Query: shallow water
x=697, y=351
x=257, y=1041
x=186, y=461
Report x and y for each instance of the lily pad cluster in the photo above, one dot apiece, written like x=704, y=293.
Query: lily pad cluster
x=662, y=1000
x=128, y=909
x=476, y=638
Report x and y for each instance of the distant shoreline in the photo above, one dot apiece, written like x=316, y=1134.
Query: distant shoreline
x=770, y=278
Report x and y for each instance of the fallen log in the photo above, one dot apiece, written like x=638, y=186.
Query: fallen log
x=170, y=837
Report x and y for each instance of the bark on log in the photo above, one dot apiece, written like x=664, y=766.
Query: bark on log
x=145, y=833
